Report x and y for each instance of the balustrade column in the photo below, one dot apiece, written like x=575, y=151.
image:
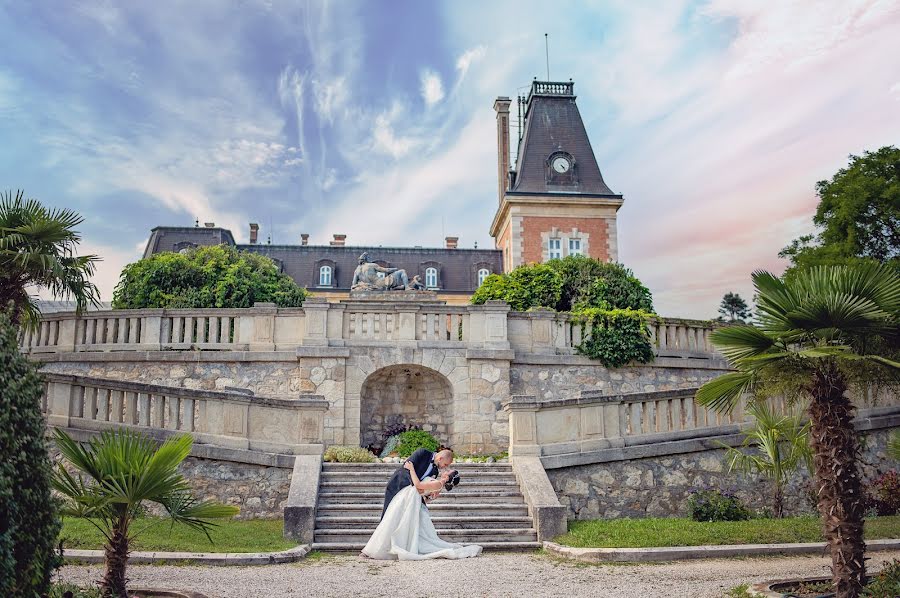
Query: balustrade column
x=316, y=310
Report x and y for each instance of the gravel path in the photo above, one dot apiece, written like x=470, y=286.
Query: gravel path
x=513, y=575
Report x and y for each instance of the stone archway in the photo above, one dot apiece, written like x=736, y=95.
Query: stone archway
x=409, y=395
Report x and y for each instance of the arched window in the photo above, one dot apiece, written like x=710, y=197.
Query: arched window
x=431, y=280
x=325, y=276
x=482, y=274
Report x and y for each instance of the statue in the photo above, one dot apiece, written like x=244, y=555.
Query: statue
x=365, y=277
x=416, y=284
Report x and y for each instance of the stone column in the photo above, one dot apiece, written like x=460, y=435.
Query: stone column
x=151, y=329
x=542, y=322
x=523, y=439
x=316, y=310
x=66, y=341
x=487, y=323
x=406, y=322
x=59, y=403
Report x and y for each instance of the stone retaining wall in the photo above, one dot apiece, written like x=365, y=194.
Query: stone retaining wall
x=659, y=486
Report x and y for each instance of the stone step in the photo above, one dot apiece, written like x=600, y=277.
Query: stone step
x=382, y=467
x=355, y=547
x=465, y=484
x=382, y=478
x=446, y=522
x=464, y=536
x=374, y=497
x=437, y=509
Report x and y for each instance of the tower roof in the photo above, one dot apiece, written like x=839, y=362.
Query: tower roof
x=553, y=127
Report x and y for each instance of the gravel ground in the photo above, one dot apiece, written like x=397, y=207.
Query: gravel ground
x=513, y=575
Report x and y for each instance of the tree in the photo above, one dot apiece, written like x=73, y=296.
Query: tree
x=858, y=215
x=781, y=445
x=29, y=524
x=116, y=474
x=813, y=339
x=37, y=251
x=215, y=276
x=526, y=287
x=587, y=282
x=734, y=308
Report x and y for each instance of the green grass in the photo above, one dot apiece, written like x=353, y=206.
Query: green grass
x=250, y=535
x=646, y=533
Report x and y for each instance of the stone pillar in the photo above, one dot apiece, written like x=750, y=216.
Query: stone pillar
x=523, y=439
x=316, y=310
x=66, y=341
x=406, y=320
x=59, y=403
x=487, y=324
x=151, y=329
x=543, y=321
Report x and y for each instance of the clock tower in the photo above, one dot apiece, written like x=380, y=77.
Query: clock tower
x=554, y=202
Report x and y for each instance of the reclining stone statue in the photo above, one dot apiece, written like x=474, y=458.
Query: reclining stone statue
x=365, y=277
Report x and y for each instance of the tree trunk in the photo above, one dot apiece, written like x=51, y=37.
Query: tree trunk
x=840, y=500
x=113, y=583
x=778, y=501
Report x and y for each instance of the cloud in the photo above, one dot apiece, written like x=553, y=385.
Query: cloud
x=432, y=87
x=467, y=58
x=291, y=90
x=330, y=97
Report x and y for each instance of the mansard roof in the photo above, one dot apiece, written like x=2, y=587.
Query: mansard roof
x=553, y=124
x=457, y=268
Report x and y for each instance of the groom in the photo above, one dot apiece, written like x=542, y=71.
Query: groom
x=424, y=463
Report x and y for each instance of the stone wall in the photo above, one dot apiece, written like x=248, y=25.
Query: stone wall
x=659, y=486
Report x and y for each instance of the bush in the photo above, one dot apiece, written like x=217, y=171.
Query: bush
x=59, y=590
x=587, y=282
x=886, y=584
x=348, y=454
x=30, y=523
x=218, y=276
x=615, y=337
x=412, y=440
x=884, y=494
x=713, y=505
x=526, y=287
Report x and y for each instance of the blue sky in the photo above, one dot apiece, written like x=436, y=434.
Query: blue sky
x=374, y=119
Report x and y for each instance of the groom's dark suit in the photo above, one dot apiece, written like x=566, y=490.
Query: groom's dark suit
x=421, y=460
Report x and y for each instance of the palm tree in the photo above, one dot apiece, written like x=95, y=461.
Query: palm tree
x=37, y=250
x=814, y=337
x=124, y=469
x=782, y=445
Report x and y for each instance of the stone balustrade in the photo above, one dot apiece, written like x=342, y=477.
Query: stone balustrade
x=596, y=421
x=544, y=331
x=227, y=419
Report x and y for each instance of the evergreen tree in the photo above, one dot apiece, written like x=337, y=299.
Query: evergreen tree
x=734, y=308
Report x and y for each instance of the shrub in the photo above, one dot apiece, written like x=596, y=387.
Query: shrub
x=587, y=282
x=886, y=584
x=615, y=337
x=416, y=439
x=713, y=505
x=884, y=494
x=217, y=276
x=28, y=514
x=65, y=590
x=348, y=454
x=526, y=287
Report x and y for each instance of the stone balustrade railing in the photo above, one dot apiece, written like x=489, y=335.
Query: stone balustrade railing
x=268, y=328
x=594, y=421
x=228, y=419
x=548, y=332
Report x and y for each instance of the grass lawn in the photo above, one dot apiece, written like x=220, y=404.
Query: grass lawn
x=646, y=533
x=251, y=535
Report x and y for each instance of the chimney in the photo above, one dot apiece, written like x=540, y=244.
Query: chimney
x=209, y=224
x=339, y=240
x=304, y=238
x=452, y=242
x=501, y=106
x=254, y=233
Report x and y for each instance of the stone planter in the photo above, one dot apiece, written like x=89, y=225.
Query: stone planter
x=777, y=589
x=152, y=593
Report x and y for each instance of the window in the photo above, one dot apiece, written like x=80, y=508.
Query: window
x=555, y=248
x=325, y=276
x=431, y=278
x=482, y=274
x=574, y=246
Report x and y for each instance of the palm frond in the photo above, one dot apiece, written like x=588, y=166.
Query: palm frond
x=723, y=393
x=739, y=342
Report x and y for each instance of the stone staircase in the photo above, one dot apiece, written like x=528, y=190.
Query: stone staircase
x=487, y=508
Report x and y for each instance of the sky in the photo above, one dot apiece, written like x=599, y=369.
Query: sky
x=714, y=119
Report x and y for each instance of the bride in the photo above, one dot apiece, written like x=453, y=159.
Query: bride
x=406, y=531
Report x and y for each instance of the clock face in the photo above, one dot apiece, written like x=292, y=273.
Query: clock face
x=561, y=164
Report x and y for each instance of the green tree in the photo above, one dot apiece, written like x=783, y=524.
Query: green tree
x=526, y=287
x=29, y=523
x=858, y=215
x=734, y=308
x=779, y=443
x=813, y=338
x=37, y=251
x=587, y=282
x=216, y=276
x=115, y=475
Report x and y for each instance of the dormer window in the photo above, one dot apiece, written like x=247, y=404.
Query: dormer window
x=325, y=276
x=483, y=273
x=431, y=278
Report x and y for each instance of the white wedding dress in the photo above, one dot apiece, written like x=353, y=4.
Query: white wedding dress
x=407, y=533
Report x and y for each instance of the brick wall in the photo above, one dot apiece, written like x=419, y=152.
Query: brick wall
x=533, y=226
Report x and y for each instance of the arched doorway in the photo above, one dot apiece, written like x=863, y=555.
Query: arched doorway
x=405, y=395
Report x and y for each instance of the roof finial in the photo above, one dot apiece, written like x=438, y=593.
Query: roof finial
x=547, y=49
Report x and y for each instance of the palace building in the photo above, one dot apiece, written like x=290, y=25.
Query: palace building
x=552, y=202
